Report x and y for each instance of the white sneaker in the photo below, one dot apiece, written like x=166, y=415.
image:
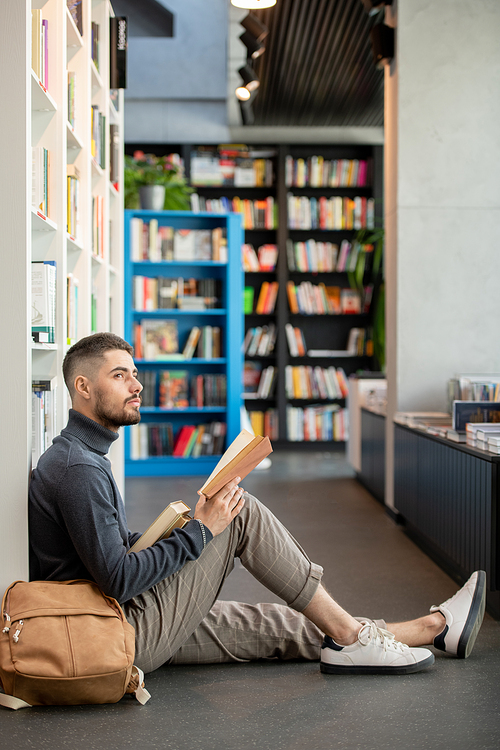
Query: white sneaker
x=375, y=652
x=464, y=614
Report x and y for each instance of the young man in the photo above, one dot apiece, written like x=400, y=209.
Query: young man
x=169, y=591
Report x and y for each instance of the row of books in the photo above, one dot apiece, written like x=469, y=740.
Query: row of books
x=306, y=382
x=40, y=179
x=43, y=301
x=307, y=298
x=165, y=293
x=260, y=260
x=39, y=47
x=154, y=242
x=260, y=341
x=465, y=416
x=318, y=422
x=265, y=423
x=98, y=136
x=158, y=339
x=471, y=387
x=324, y=256
x=258, y=381
x=256, y=214
x=175, y=389
x=316, y=171
x=191, y=441
x=266, y=300
x=43, y=416
x=330, y=213
x=359, y=343
x=230, y=167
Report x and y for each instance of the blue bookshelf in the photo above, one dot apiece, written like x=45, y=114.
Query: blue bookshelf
x=228, y=317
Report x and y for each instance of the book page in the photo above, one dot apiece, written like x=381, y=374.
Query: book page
x=240, y=442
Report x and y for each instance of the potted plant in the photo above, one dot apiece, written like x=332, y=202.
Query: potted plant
x=155, y=182
x=372, y=240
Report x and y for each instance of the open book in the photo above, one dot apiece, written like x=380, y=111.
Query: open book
x=243, y=455
x=175, y=516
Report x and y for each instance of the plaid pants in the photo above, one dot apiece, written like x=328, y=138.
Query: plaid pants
x=180, y=620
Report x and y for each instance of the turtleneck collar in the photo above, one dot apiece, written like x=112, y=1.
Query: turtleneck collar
x=93, y=434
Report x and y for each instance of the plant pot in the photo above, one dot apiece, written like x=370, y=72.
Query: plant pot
x=152, y=197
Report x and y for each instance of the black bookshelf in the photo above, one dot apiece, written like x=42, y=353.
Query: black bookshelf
x=320, y=331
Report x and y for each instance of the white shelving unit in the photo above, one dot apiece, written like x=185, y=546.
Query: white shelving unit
x=38, y=116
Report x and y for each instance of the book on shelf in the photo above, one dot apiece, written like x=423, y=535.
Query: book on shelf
x=43, y=408
x=251, y=376
x=159, y=338
x=43, y=301
x=192, y=342
x=296, y=341
x=266, y=300
x=317, y=422
x=233, y=165
x=209, y=344
x=260, y=341
x=94, y=43
x=256, y=214
x=474, y=387
x=98, y=136
x=261, y=260
x=173, y=390
x=40, y=47
x=335, y=213
x=155, y=242
x=75, y=9
x=415, y=418
x=318, y=171
x=465, y=412
x=265, y=423
x=357, y=345
x=308, y=382
x=40, y=173
x=118, y=32
x=248, y=297
x=164, y=293
x=307, y=298
x=175, y=516
x=240, y=458
x=208, y=390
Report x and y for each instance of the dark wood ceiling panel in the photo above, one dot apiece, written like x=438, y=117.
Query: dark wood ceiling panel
x=318, y=67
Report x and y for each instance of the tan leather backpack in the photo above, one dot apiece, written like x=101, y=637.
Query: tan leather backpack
x=65, y=643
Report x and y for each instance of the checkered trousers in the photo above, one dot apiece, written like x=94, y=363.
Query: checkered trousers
x=180, y=620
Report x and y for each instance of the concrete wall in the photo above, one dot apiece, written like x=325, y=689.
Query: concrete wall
x=177, y=87
x=442, y=199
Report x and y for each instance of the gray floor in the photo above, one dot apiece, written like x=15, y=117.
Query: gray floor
x=373, y=569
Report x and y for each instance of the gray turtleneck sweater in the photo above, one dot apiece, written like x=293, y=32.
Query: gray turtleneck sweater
x=77, y=522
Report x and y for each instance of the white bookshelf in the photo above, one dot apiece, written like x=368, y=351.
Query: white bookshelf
x=34, y=116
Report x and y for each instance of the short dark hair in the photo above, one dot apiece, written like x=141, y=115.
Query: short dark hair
x=90, y=350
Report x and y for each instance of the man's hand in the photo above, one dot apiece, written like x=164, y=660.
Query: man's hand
x=218, y=512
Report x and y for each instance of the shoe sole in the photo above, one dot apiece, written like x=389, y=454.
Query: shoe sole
x=475, y=618
x=407, y=669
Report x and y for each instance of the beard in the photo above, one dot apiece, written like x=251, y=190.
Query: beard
x=112, y=416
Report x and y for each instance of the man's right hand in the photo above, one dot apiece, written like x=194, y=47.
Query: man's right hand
x=217, y=512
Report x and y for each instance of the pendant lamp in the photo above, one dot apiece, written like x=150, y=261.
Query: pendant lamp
x=253, y=4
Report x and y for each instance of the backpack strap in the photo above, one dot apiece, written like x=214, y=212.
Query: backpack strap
x=136, y=686
x=10, y=701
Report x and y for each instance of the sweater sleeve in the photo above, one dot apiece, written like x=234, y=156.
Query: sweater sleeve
x=93, y=525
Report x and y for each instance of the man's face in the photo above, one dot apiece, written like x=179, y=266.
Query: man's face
x=115, y=391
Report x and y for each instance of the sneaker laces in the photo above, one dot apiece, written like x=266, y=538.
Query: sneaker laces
x=370, y=632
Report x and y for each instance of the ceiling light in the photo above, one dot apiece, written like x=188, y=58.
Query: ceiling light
x=250, y=80
x=254, y=48
x=253, y=4
x=242, y=93
x=252, y=24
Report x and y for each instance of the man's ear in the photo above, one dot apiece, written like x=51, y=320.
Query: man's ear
x=82, y=387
